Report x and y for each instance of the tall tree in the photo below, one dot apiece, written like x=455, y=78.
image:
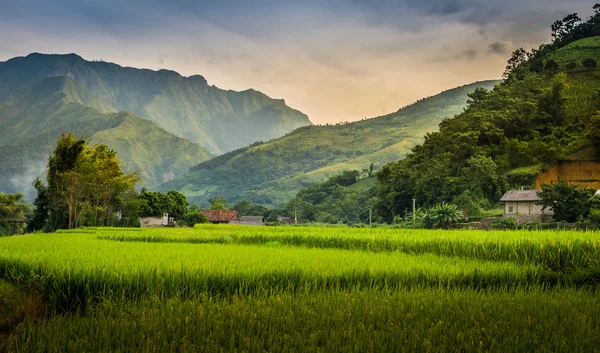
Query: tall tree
x=12, y=206
x=85, y=184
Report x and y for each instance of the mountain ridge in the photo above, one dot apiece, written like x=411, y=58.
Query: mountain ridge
x=220, y=120
x=34, y=120
x=272, y=172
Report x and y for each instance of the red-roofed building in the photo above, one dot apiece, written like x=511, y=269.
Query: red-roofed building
x=221, y=216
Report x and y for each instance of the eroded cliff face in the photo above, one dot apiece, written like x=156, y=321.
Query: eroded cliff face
x=583, y=173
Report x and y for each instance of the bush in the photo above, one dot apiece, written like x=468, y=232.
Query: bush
x=505, y=223
x=590, y=63
x=594, y=217
x=193, y=218
x=571, y=66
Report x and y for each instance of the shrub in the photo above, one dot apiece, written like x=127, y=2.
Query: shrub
x=590, y=63
x=193, y=218
x=571, y=66
x=505, y=223
x=594, y=217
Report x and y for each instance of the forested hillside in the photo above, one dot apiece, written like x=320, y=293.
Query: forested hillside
x=545, y=111
x=188, y=107
x=33, y=121
x=273, y=172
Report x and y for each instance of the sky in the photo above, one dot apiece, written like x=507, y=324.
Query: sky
x=336, y=60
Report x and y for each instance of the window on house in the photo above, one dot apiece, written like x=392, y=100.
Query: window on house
x=511, y=209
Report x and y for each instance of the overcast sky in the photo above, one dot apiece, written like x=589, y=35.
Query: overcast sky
x=338, y=60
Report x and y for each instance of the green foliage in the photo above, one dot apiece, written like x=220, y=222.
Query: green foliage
x=86, y=185
x=272, y=173
x=440, y=216
x=594, y=217
x=247, y=208
x=13, y=206
x=343, y=198
x=219, y=203
x=568, y=202
x=505, y=223
x=154, y=204
x=193, y=218
x=35, y=118
x=590, y=63
x=503, y=138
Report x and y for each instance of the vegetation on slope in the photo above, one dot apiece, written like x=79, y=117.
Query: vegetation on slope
x=272, y=173
x=185, y=106
x=542, y=113
x=33, y=121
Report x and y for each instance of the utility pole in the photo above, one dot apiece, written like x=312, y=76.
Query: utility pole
x=414, y=209
x=370, y=212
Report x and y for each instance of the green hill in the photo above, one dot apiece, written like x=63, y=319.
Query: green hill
x=34, y=120
x=273, y=172
x=188, y=107
x=545, y=112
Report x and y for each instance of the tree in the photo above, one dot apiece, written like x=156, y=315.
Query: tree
x=517, y=58
x=551, y=67
x=41, y=206
x=85, y=185
x=590, y=63
x=571, y=66
x=568, y=202
x=563, y=27
x=179, y=204
x=444, y=215
x=193, y=218
x=218, y=203
x=13, y=206
x=154, y=204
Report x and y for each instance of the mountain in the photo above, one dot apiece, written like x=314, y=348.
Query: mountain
x=273, y=172
x=33, y=119
x=188, y=107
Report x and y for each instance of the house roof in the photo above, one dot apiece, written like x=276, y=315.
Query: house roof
x=221, y=215
x=521, y=195
x=251, y=218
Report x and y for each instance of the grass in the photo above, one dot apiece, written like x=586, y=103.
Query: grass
x=307, y=289
x=363, y=321
x=557, y=251
x=15, y=307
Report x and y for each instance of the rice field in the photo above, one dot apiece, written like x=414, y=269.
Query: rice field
x=302, y=289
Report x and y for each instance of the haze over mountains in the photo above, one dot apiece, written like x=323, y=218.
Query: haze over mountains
x=159, y=122
x=273, y=172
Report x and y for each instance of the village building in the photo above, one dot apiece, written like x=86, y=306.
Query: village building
x=154, y=222
x=251, y=220
x=523, y=207
x=222, y=216
x=288, y=220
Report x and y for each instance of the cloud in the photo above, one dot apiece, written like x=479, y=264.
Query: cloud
x=334, y=60
x=162, y=57
x=469, y=54
x=501, y=47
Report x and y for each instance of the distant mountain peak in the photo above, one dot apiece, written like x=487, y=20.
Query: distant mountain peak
x=222, y=120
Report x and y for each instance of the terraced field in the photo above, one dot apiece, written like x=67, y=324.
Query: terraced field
x=301, y=289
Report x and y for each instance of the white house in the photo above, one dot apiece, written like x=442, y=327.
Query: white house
x=522, y=205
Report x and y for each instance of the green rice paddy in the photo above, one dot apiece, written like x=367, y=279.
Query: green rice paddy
x=302, y=289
